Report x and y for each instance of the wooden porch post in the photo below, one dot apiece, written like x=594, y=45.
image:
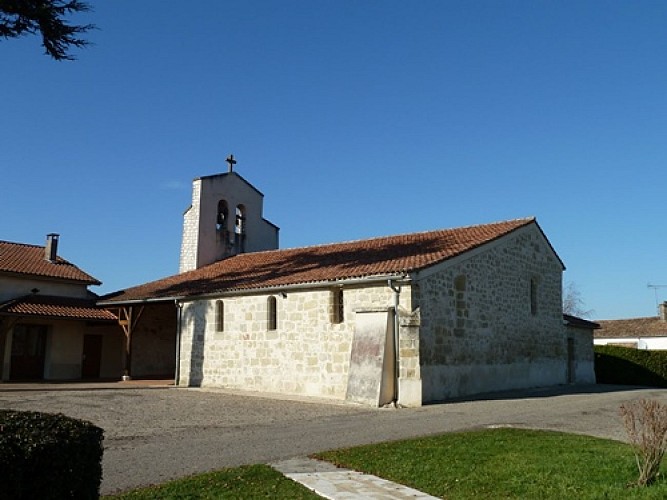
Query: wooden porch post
x=128, y=321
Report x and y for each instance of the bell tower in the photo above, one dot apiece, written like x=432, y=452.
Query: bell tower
x=224, y=219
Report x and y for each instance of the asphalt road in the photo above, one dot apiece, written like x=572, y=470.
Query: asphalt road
x=156, y=434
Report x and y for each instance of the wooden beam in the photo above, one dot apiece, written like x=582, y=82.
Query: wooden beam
x=128, y=318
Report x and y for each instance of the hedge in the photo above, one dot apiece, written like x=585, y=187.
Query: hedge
x=628, y=366
x=49, y=456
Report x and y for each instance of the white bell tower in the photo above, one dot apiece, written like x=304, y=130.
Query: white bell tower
x=225, y=219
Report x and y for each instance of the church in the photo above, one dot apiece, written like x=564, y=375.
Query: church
x=404, y=319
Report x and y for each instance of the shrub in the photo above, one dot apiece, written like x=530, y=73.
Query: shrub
x=646, y=424
x=623, y=365
x=49, y=456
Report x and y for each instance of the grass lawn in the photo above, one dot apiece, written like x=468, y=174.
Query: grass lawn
x=252, y=481
x=495, y=463
x=505, y=463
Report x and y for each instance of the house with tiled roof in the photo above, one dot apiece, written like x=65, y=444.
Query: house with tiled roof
x=638, y=333
x=50, y=325
x=402, y=319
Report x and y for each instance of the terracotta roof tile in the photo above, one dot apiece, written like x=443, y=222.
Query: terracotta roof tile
x=633, y=327
x=21, y=258
x=56, y=307
x=392, y=255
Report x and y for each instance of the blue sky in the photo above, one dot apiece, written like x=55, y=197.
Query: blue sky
x=355, y=119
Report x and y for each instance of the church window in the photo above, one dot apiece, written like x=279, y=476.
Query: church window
x=533, y=296
x=272, y=313
x=219, y=316
x=223, y=214
x=337, y=309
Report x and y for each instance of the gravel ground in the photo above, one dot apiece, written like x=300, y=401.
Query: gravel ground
x=156, y=434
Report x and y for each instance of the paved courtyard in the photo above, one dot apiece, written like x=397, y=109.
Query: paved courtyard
x=153, y=434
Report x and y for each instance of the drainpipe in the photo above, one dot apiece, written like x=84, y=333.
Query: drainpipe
x=179, y=315
x=397, y=291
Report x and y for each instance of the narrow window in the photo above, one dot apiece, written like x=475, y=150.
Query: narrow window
x=337, y=309
x=533, y=296
x=219, y=316
x=223, y=214
x=272, y=316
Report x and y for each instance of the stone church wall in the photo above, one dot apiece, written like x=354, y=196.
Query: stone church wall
x=492, y=319
x=307, y=354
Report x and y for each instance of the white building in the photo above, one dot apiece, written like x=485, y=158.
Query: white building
x=409, y=318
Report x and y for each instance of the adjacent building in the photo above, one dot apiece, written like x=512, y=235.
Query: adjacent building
x=638, y=333
x=50, y=327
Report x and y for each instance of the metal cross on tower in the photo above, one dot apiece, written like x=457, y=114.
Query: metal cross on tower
x=230, y=159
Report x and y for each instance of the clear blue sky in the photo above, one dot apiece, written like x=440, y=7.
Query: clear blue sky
x=355, y=119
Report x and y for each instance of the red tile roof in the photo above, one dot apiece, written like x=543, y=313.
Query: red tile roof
x=392, y=255
x=21, y=258
x=56, y=307
x=633, y=327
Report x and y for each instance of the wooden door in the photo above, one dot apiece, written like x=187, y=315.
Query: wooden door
x=28, y=352
x=92, y=356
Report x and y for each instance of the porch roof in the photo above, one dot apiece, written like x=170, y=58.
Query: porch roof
x=45, y=306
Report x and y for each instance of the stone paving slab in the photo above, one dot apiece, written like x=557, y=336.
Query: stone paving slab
x=335, y=483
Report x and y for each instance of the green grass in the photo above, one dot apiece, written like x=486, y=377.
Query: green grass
x=504, y=463
x=495, y=463
x=248, y=482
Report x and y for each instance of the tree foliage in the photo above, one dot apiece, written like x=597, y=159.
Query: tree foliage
x=46, y=17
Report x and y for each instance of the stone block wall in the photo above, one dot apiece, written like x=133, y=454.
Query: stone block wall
x=189, y=243
x=307, y=354
x=492, y=319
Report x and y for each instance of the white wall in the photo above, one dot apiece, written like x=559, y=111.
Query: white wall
x=648, y=343
x=11, y=288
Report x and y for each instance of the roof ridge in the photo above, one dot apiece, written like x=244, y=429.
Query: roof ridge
x=21, y=244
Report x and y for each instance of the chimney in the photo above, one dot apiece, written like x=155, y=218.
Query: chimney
x=51, y=249
x=663, y=311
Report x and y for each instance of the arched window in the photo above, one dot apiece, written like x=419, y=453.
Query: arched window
x=533, y=296
x=223, y=214
x=271, y=313
x=337, y=309
x=219, y=316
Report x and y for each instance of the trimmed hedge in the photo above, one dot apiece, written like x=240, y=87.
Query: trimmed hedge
x=49, y=456
x=628, y=366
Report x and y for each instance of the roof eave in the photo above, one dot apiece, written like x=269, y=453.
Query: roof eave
x=402, y=276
